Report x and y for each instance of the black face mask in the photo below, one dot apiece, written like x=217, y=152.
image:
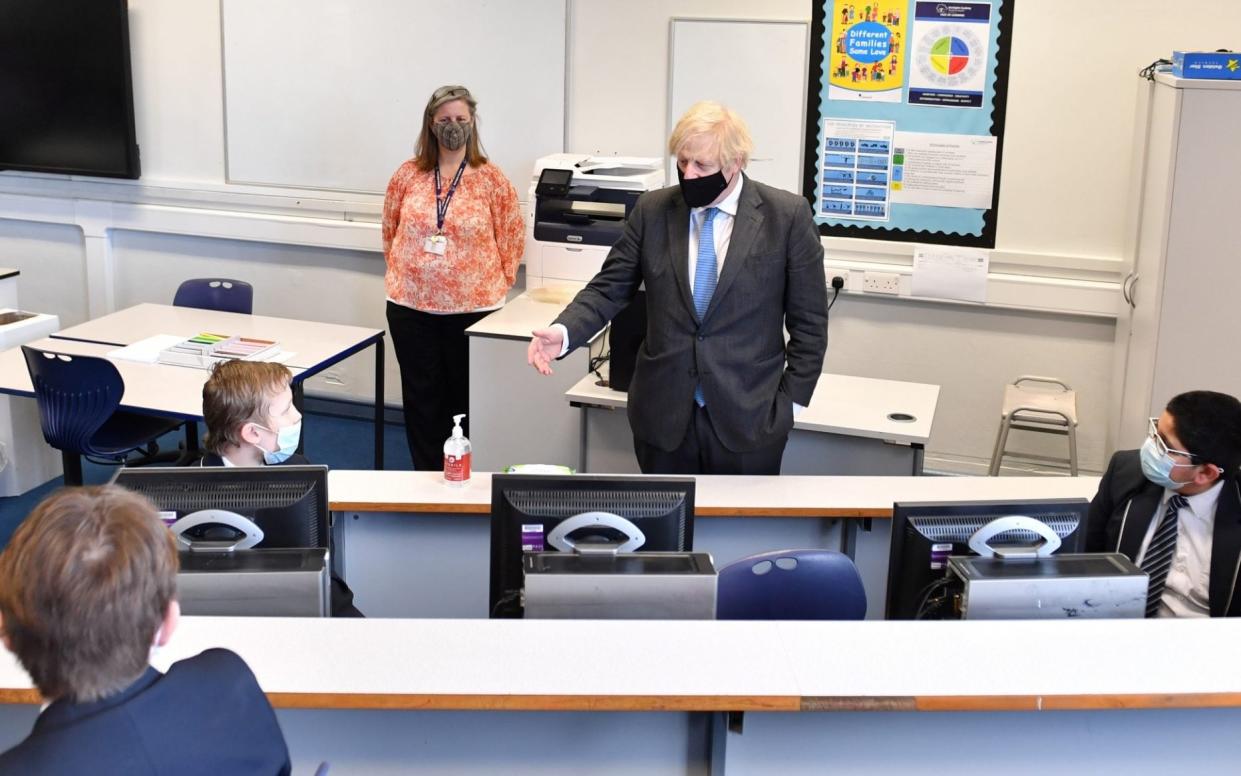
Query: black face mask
x=700, y=192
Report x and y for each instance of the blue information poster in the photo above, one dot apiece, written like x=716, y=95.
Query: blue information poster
x=906, y=117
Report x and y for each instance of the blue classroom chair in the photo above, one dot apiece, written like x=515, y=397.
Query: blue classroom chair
x=228, y=296
x=221, y=294
x=78, y=398
x=791, y=585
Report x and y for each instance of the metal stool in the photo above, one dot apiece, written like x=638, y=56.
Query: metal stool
x=1042, y=404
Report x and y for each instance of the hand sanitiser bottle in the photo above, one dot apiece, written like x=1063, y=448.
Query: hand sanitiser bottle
x=457, y=456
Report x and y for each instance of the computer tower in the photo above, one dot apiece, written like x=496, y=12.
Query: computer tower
x=254, y=583
x=624, y=339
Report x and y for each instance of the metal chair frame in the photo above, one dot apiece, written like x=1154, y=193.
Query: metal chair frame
x=1038, y=419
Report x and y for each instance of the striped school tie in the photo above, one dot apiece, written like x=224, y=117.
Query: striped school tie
x=1159, y=553
x=705, y=278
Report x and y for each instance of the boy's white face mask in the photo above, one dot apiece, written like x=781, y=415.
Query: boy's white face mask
x=286, y=443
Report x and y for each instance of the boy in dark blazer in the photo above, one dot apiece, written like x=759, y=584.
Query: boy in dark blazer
x=87, y=589
x=1174, y=507
x=729, y=264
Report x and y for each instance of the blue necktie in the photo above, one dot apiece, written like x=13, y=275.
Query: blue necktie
x=705, y=277
x=1159, y=554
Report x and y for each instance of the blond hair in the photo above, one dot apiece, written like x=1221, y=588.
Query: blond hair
x=427, y=151
x=84, y=586
x=726, y=131
x=239, y=392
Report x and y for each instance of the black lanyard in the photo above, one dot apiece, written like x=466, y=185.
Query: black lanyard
x=441, y=205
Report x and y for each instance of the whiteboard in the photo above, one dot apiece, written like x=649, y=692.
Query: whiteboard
x=328, y=94
x=757, y=68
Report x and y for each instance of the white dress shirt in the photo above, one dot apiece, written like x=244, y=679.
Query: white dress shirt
x=721, y=229
x=1186, y=592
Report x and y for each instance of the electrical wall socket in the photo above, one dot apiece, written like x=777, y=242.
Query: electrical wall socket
x=881, y=283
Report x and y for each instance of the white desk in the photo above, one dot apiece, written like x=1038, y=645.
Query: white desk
x=153, y=389
x=516, y=414
x=8, y=287
x=150, y=389
x=853, y=425
x=412, y=547
x=315, y=346
x=428, y=696
x=519, y=416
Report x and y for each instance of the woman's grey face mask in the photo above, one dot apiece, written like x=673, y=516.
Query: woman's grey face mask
x=451, y=134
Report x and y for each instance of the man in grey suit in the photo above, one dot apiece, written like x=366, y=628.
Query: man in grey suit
x=728, y=264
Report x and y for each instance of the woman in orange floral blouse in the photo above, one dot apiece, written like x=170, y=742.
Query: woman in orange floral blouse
x=452, y=237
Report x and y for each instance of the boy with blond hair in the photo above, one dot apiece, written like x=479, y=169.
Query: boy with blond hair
x=251, y=420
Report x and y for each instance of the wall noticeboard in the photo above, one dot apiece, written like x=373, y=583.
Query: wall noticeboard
x=905, y=119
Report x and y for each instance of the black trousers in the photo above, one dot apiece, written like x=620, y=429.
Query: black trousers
x=701, y=452
x=434, y=356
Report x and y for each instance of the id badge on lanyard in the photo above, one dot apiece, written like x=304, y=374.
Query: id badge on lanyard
x=437, y=244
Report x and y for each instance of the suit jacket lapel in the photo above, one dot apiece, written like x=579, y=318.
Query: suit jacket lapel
x=1225, y=549
x=745, y=230
x=1141, y=512
x=678, y=248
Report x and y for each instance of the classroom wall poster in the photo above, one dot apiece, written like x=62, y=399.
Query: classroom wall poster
x=867, y=38
x=905, y=119
x=950, y=54
x=857, y=166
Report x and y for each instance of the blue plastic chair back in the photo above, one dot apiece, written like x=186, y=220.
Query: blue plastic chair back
x=227, y=296
x=791, y=585
x=76, y=396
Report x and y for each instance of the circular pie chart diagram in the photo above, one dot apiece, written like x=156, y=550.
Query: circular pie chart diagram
x=949, y=55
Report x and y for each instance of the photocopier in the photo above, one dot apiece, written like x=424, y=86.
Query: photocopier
x=579, y=204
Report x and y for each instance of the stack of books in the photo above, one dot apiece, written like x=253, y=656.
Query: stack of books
x=206, y=350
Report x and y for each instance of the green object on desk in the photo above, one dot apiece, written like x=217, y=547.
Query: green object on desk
x=538, y=468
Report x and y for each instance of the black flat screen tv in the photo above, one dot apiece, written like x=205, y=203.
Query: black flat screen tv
x=66, y=89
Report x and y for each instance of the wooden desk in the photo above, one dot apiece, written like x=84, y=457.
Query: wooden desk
x=421, y=693
x=315, y=346
x=412, y=547
x=853, y=425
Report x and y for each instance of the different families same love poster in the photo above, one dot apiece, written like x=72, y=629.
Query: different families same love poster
x=868, y=47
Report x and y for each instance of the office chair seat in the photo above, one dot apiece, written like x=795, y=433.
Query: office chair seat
x=222, y=294
x=115, y=437
x=791, y=585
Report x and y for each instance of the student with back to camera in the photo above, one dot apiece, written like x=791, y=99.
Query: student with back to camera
x=87, y=592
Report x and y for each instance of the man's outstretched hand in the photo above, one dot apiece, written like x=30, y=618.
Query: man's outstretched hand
x=545, y=346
